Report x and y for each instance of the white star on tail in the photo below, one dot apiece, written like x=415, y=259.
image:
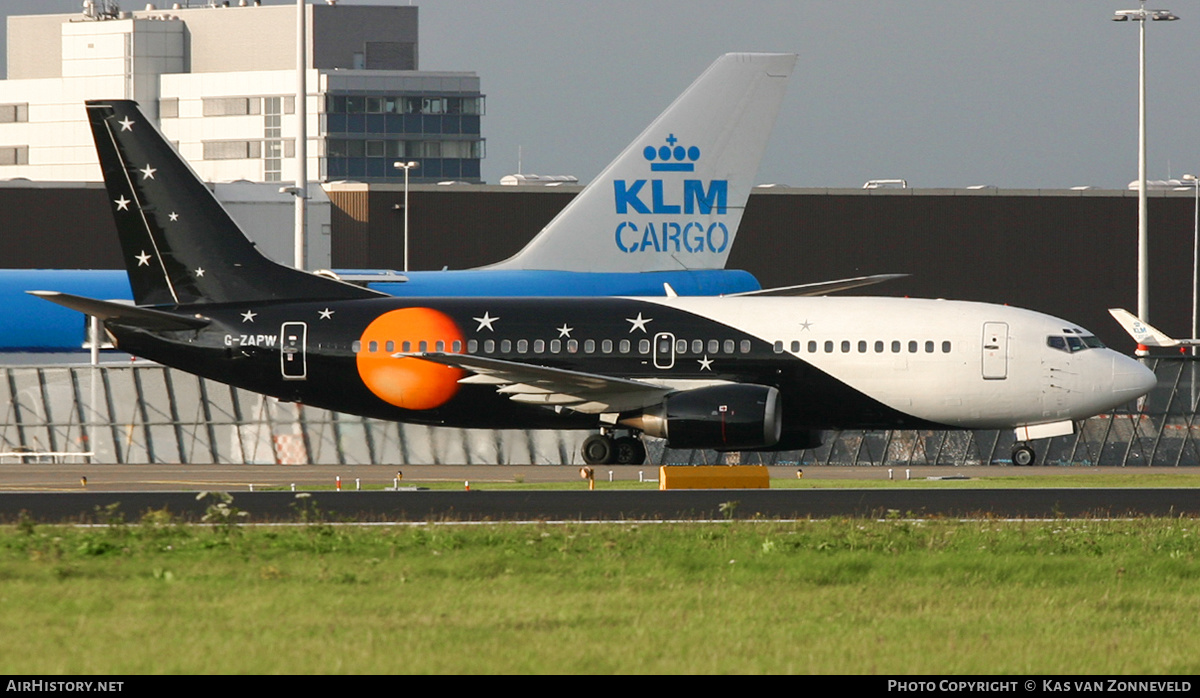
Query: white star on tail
x=122, y=203
x=127, y=124
x=485, y=321
x=143, y=259
x=199, y=272
x=148, y=172
x=639, y=323
x=174, y=216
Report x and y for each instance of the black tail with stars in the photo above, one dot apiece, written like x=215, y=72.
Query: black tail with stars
x=180, y=245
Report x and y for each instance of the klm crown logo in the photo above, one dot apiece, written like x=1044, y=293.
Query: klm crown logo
x=672, y=157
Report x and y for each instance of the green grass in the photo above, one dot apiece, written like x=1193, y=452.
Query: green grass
x=838, y=596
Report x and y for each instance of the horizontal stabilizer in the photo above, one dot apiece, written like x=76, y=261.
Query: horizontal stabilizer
x=123, y=314
x=822, y=288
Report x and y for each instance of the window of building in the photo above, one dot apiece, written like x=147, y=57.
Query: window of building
x=14, y=155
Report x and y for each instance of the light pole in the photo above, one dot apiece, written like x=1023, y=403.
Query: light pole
x=1140, y=16
x=406, y=166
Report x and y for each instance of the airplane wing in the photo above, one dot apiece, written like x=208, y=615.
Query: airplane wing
x=589, y=393
x=821, y=288
x=1145, y=334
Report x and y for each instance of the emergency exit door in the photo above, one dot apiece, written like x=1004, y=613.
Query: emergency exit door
x=293, y=339
x=995, y=350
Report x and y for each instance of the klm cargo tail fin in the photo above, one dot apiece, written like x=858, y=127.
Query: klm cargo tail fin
x=180, y=245
x=674, y=198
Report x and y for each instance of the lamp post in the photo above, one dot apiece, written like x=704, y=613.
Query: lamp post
x=406, y=166
x=1140, y=16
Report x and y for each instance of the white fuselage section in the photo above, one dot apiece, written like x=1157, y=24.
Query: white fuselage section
x=964, y=364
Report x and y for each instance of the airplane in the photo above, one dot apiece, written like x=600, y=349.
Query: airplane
x=731, y=373
x=665, y=213
x=1146, y=335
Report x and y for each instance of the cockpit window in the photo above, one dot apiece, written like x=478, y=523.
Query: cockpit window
x=1072, y=344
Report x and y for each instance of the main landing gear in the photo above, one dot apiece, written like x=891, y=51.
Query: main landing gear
x=603, y=449
x=1023, y=454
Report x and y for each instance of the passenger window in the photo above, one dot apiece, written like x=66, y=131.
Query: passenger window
x=744, y=346
x=555, y=346
x=644, y=346
x=539, y=346
x=456, y=347
x=572, y=346
x=489, y=346
x=878, y=347
x=946, y=347
x=356, y=346
x=506, y=346
x=441, y=345
x=713, y=346
x=373, y=346
x=522, y=346
x=606, y=346
x=828, y=346
x=912, y=347
x=589, y=346
x=681, y=346
x=929, y=346
x=812, y=346
x=795, y=347
x=845, y=346
x=895, y=346
x=862, y=346
x=625, y=346
x=406, y=346
x=423, y=346
x=389, y=346
x=777, y=347
x=697, y=346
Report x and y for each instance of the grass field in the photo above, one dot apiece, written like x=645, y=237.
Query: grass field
x=838, y=596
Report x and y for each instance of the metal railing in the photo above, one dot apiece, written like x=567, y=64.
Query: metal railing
x=152, y=414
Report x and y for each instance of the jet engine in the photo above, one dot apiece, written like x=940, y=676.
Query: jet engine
x=721, y=417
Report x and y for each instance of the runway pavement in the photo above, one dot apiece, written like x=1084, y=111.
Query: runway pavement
x=56, y=493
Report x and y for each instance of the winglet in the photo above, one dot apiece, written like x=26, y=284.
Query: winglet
x=1142, y=332
x=673, y=199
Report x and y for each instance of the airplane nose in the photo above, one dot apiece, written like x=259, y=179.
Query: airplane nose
x=1131, y=379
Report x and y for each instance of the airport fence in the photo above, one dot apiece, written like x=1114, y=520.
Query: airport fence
x=146, y=413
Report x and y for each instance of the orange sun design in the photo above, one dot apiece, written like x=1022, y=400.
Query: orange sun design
x=409, y=382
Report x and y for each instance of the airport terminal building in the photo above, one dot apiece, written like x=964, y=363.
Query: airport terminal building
x=368, y=104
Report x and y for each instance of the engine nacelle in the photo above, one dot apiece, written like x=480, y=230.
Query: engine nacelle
x=720, y=417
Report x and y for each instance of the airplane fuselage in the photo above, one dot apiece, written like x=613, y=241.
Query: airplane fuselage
x=859, y=363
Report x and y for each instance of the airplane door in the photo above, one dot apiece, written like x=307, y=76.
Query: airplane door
x=995, y=350
x=664, y=350
x=293, y=351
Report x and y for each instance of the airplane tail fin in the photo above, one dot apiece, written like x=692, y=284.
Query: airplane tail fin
x=180, y=245
x=674, y=197
x=1143, y=333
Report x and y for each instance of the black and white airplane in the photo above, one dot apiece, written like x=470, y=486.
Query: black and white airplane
x=726, y=373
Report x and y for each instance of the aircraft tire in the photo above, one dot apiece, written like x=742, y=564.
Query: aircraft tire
x=1023, y=455
x=629, y=450
x=597, y=449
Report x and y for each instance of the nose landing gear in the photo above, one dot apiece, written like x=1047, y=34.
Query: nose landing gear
x=603, y=449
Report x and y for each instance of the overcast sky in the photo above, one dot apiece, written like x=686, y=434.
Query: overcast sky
x=956, y=93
